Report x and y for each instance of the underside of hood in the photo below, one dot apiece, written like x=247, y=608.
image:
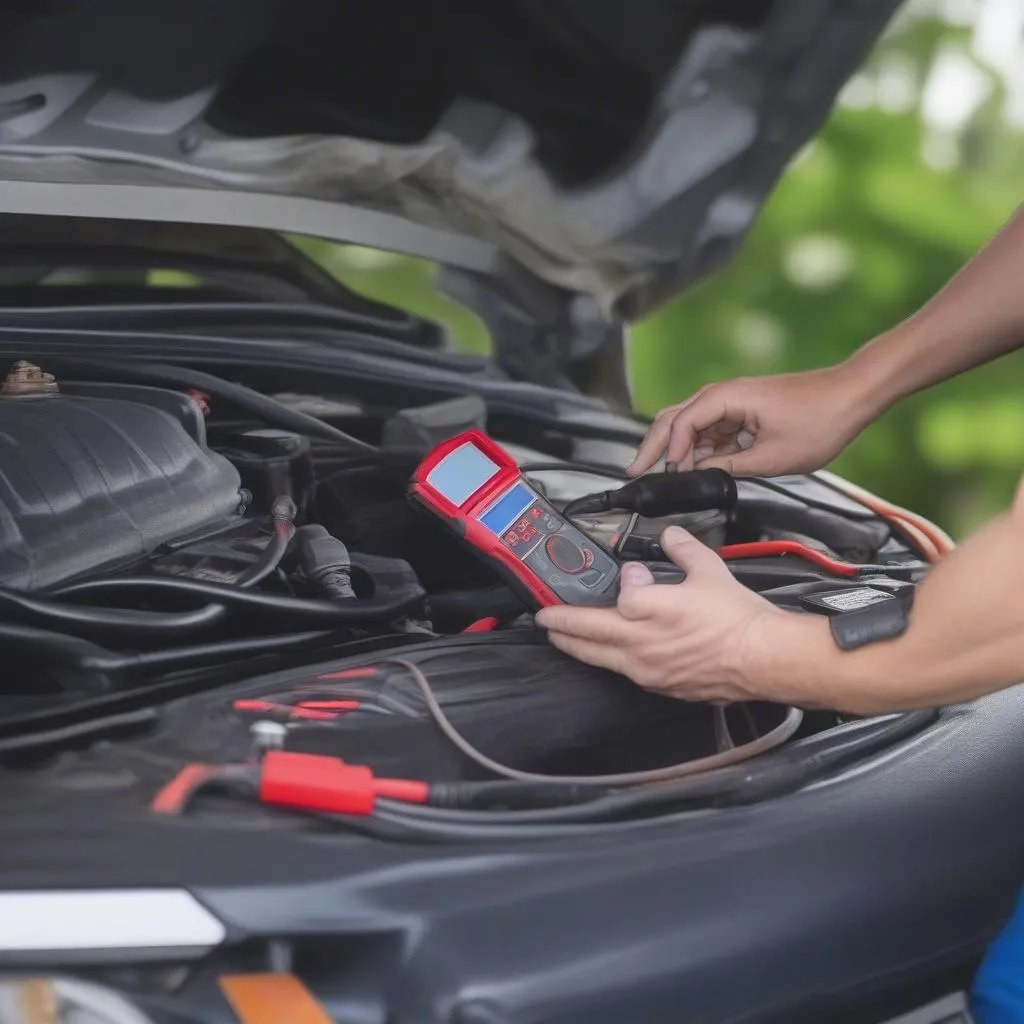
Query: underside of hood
x=613, y=151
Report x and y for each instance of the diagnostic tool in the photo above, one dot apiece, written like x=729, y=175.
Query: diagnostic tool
x=475, y=488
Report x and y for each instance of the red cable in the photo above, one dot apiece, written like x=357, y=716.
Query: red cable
x=329, y=705
x=768, y=548
x=289, y=710
x=174, y=795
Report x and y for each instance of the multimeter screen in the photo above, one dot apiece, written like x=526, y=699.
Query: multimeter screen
x=507, y=508
x=461, y=473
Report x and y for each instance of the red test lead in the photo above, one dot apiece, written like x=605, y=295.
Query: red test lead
x=312, y=782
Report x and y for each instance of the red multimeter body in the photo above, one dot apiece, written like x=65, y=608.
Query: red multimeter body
x=476, y=489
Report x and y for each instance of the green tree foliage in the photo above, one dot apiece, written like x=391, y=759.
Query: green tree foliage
x=868, y=223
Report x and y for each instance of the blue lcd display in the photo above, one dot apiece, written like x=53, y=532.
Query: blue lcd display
x=507, y=508
x=462, y=472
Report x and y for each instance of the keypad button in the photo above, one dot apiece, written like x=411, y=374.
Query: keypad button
x=565, y=555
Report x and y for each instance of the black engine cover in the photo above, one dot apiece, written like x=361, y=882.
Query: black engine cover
x=90, y=484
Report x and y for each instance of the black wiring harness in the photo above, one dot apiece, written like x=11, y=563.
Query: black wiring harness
x=528, y=806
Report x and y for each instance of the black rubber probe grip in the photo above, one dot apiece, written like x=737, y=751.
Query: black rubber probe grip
x=663, y=494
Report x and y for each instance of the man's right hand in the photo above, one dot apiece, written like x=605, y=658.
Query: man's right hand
x=759, y=426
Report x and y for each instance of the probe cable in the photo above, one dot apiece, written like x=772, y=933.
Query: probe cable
x=729, y=756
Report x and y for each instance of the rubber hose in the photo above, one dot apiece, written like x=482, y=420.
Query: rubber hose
x=140, y=624
x=323, y=613
x=264, y=408
x=74, y=652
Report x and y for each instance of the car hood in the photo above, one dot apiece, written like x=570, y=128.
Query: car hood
x=608, y=153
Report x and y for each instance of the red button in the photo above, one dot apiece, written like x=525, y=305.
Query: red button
x=511, y=538
x=535, y=513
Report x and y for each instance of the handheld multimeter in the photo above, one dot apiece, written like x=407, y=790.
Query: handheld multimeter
x=477, y=491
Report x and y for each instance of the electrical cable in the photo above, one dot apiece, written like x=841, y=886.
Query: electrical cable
x=142, y=624
x=407, y=810
x=769, y=741
x=821, y=506
x=908, y=522
x=282, y=513
x=625, y=534
x=93, y=730
x=138, y=623
x=769, y=548
x=739, y=785
x=75, y=653
x=281, y=607
x=195, y=779
x=585, y=468
x=781, y=772
x=263, y=407
x=723, y=737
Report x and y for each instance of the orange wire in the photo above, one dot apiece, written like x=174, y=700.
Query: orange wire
x=929, y=538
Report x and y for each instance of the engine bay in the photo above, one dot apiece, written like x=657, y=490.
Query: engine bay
x=208, y=557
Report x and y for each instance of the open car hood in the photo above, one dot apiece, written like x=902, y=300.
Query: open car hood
x=602, y=153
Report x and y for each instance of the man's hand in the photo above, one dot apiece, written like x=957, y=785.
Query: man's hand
x=761, y=426
x=696, y=640
x=711, y=639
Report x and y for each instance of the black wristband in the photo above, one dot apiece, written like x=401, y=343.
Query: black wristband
x=883, y=621
x=864, y=615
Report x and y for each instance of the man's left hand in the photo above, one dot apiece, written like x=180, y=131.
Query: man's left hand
x=696, y=640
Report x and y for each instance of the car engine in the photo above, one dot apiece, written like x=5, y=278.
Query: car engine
x=154, y=534
x=98, y=479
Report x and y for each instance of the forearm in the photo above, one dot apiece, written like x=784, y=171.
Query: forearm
x=965, y=638
x=977, y=317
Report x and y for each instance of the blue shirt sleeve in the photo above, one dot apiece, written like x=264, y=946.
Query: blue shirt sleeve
x=997, y=996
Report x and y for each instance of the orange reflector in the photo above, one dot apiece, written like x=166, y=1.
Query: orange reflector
x=271, y=999
x=35, y=999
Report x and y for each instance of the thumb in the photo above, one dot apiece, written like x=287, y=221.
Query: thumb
x=634, y=578
x=635, y=574
x=689, y=553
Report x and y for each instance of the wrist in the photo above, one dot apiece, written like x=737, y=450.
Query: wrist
x=890, y=367
x=785, y=657
x=791, y=658
x=872, y=378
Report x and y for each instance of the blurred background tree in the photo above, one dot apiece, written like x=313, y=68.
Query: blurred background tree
x=920, y=163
